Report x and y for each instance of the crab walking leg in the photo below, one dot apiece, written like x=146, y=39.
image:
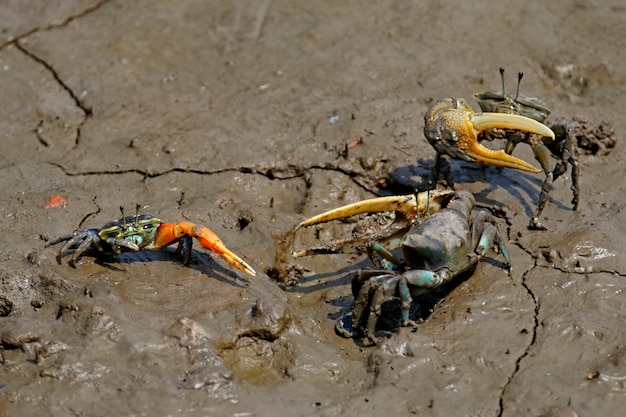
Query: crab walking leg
x=485, y=233
x=408, y=205
x=383, y=292
x=84, y=240
x=359, y=245
x=368, y=302
x=385, y=253
x=367, y=310
x=169, y=233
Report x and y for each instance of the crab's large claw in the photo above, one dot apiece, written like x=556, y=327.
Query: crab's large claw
x=411, y=207
x=407, y=205
x=168, y=233
x=452, y=128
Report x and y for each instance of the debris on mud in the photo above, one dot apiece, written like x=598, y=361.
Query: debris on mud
x=6, y=306
x=56, y=201
x=592, y=139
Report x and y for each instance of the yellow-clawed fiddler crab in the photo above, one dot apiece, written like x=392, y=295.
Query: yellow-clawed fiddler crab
x=562, y=148
x=440, y=236
x=145, y=232
x=453, y=129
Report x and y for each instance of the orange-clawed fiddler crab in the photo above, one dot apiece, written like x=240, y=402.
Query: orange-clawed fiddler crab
x=440, y=236
x=453, y=129
x=145, y=232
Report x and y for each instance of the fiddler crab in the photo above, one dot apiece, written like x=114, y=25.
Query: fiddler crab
x=145, y=232
x=454, y=129
x=441, y=237
x=562, y=147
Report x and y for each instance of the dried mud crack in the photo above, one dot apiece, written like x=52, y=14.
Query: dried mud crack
x=86, y=110
x=272, y=173
x=537, y=305
x=64, y=23
x=87, y=113
x=15, y=41
x=520, y=359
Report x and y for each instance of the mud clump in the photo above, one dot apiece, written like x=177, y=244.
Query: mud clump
x=260, y=354
x=205, y=369
x=15, y=335
x=6, y=306
x=259, y=361
x=591, y=139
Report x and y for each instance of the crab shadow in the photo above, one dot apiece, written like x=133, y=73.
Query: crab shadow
x=522, y=186
x=322, y=281
x=200, y=261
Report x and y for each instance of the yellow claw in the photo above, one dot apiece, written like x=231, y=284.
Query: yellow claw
x=408, y=205
x=452, y=128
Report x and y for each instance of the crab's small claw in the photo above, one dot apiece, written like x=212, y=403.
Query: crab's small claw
x=168, y=233
x=452, y=128
x=407, y=205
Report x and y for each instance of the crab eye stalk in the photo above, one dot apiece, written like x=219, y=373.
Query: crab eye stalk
x=519, y=81
x=137, y=207
x=502, y=79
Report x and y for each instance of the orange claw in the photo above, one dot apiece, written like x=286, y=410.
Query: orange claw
x=169, y=233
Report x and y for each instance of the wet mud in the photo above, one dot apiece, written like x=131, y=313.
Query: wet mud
x=250, y=116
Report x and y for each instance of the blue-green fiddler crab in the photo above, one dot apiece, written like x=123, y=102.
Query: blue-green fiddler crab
x=145, y=232
x=445, y=238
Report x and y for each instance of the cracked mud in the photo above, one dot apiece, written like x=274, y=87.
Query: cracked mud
x=249, y=116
